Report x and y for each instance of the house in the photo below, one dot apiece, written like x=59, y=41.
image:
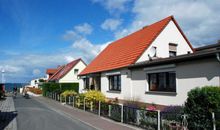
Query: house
x=69, y=73
x=156, y=64
x=50, y=72
x=36, y=82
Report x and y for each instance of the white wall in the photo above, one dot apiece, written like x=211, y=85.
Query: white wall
x=170, y=34
x=189, y=75
x=125, y=85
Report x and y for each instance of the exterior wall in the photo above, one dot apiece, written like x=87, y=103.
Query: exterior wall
x=170, y=34
x=70, y=77
x=188, y=76
x=125, y=85
x=36, y=84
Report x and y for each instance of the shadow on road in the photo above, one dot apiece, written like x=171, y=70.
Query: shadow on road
x=6, y=118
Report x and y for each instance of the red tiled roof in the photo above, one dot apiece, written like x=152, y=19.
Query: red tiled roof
x=127, y=50
x=51, y=71
x=58, y=70
x=63, y=70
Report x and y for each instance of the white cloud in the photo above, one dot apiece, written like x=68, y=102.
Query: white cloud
x=113, y=6
x=111, y=24
x=70, y=35
x=84, y=28
x=69, y=58
x=198, y=19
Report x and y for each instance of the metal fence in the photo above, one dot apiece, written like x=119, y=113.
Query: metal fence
x=112, y=111
x=92, y=106
x=146, y=119
x=140, y=117
x=172, y=121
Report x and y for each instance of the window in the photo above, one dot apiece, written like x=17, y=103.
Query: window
x=164, y=81
x=172, y=53
x=76, y=71
x=115, y=82
x=172, y=49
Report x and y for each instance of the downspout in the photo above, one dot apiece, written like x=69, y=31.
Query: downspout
x=218, y=58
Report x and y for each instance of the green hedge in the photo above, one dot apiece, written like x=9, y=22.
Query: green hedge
x=59, y=87
x=199, y=105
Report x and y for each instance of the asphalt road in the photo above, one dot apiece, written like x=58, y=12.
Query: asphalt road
x=32, y=115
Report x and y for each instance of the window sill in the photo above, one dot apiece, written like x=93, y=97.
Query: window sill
x=113, y=91
x=161, y=93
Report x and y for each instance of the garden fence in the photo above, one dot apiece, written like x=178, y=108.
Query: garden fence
x=146, y=119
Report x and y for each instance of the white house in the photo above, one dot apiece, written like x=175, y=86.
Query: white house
x=69, y=73
x=156, y=64
x=35, y=82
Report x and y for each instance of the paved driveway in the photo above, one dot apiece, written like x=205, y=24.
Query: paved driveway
x=32, y=115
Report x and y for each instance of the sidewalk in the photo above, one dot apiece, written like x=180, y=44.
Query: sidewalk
x=7, y=114
x=85, y=117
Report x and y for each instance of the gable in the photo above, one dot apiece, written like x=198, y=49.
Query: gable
x=71, y=76
x=170, y=34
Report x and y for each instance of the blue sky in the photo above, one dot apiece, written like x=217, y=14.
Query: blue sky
x=40, y=34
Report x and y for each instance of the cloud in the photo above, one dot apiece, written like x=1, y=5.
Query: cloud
x=113, y=6
x=82, y=46
x=84, y=28
x=69, y=58
x=198, y=19
x=111, y=24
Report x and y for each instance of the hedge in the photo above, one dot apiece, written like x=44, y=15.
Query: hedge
x=59, y=87
x=199, y=105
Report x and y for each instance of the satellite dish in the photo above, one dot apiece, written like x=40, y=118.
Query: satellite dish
x=152, y=52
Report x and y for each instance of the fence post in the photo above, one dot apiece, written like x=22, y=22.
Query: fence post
x=158, y=120
x=73, y=101
x=60, y=98
x=122, y=113
x=84, y=104
x=65, y=99
x=69, y=99
x=109, y=110
x=99, y=108
x=213, y=121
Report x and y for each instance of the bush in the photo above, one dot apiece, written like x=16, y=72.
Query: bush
x=199, y=105
x=59, y=87
x=94, y=95
x=68, y=93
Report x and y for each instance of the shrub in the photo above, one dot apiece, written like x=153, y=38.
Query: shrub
x=199, y=105
x=68, y=93
x=94, y=95
x=60, y=87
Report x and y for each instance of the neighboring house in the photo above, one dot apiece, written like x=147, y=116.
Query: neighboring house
x=50, y=72
x=152, y=65
x=36, y=82
x=69, y=73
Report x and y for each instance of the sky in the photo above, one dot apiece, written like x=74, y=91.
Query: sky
x=40, y=34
